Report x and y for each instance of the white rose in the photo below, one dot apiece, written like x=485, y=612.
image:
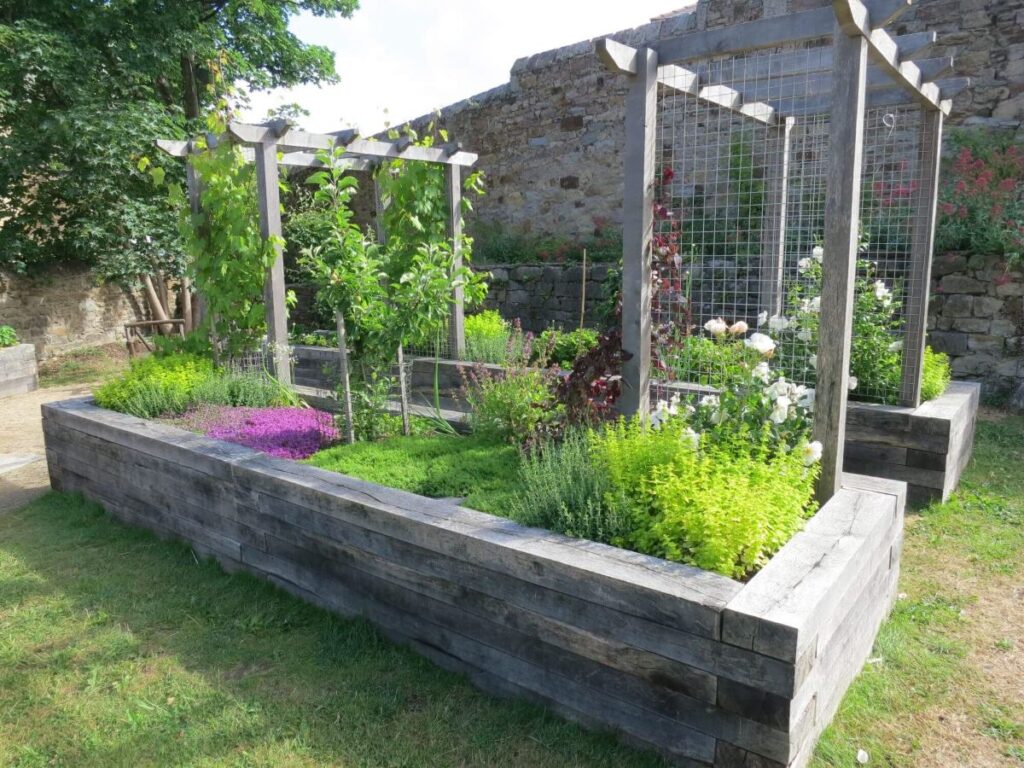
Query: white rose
x=853, y=383
x=805, y=334
x=881, y=292
x=761, y=372
x=762, y=319
x=818, y=253
x=781, y=410
x=690, y=437
x=804, y=264
x=779, y=389
x=762, y=343
x=813, y=360
x=811, y=453
x=709, y=401
x=806, y=399
x=778, y=323
x=896, y=346
x=738, y=328
x=716, y=327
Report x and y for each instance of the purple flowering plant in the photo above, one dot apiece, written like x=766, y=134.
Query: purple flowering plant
x=288, y=433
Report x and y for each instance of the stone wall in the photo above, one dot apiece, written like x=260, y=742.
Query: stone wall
x=977, y=317
x=550, y=140
x=542, y=295
x=65, y=309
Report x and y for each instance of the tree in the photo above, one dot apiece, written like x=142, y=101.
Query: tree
x=85, y=88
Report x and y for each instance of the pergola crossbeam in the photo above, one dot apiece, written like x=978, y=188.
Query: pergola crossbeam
x=855, y=19
x=620, y=58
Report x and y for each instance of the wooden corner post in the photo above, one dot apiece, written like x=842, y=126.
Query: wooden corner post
x=637, y=229
x=457, y=318
x=274, y=290
x=919, y=280
x=842, y=222
x=773, y=227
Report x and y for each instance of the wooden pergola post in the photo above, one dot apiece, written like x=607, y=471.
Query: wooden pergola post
x=842, y=222
x=270, y=227
x=773, y=228
x=457, y=317
x=919, y=280
x=637, y=222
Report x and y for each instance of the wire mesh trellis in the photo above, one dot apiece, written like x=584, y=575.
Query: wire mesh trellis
x=739, y=223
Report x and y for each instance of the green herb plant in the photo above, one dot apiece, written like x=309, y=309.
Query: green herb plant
x=8, y=338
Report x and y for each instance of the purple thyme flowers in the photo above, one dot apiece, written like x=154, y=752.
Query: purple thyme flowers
x=288, y=433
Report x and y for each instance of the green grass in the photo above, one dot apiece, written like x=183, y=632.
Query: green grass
x=88, y=365
x=477, y=469
x=955, y=555
x=117, y=649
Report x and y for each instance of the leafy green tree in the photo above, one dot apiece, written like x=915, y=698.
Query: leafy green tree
x=86, y=86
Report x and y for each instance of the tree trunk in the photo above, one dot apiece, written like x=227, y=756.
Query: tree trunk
x=186, y=304
x=190, y=92
x=346, y=387
x=157, y=308
x=403, y=392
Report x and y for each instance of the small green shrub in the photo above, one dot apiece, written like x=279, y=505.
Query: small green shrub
x=563, y=490
x=156, y=385
x=171, y=384
x=492, y=339
x=564, y=347
x=937, y=374
x=725, y=507
x=8, y=338
x=517, y=407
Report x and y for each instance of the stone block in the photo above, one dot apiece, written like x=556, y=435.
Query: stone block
x=974, y=365
x=948, y=263
x=984, y=343
x=961, y=284
x=986, y=306
x=1013, y=288
x=958, y=305
x=972, y=324
x=949, y=342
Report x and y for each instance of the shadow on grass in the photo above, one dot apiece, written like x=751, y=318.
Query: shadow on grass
x=120, y=649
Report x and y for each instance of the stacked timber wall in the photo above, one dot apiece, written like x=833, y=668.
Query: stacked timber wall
x=18, y=370
x=704, y=669
x=927, y=447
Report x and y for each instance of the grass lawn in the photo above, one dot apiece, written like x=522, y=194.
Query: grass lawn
x=84, y=366
x=118, y=649
x=477, y=469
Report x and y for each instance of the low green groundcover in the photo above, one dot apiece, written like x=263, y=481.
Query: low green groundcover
x=480, y=470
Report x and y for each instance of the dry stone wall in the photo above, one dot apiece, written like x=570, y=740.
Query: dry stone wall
x=977, y=317
x=65, y=309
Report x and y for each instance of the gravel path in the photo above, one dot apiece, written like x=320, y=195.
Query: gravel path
x=23, y=474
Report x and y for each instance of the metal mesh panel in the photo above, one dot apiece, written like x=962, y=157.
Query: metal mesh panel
x=741, y=166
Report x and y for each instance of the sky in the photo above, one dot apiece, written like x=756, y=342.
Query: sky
x=399, y=59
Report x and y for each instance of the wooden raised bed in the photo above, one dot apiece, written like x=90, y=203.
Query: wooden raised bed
x=704, y=669
x=927, y=447
x=18, y=370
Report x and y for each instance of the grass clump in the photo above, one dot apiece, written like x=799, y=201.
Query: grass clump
x=171, y=384
x=492, y=339
x=477, y=468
